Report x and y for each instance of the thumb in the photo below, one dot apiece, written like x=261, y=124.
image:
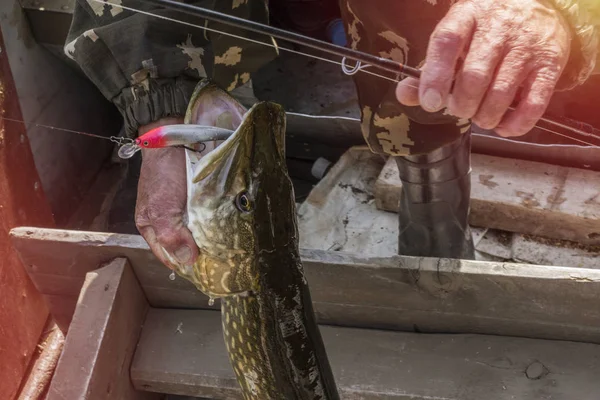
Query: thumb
x=174, y=246
x=176, y=240
x=407, y=92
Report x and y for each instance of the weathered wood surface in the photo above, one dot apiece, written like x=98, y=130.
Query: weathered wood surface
x=23, y=313
x=521, y=196
x=93, y=212
x=57, y=95
x=404, y=293
x=539, y=251
x=339, y=214
x=502, y=246
x=182, y=352
x=102, y=339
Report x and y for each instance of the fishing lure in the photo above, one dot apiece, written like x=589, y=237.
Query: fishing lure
x=189, y=136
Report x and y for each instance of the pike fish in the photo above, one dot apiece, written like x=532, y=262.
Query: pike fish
x=242, y=214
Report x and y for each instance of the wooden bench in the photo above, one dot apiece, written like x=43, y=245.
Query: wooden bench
x=487, y=330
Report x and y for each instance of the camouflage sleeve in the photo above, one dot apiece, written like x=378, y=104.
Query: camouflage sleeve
x=390, y=29
x=584, y=18
x=148, y=66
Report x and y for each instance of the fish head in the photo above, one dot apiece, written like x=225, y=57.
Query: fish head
x=237, y=195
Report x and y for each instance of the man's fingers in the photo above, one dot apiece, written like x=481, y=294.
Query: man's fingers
x=168, y=233
x=475, y=76
x=175, y=238
x=501, y=93
x=407, y=92
x=150, y=237
x=537, y=92
x=446, y=45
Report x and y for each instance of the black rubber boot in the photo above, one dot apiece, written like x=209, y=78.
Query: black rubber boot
x=434, y=205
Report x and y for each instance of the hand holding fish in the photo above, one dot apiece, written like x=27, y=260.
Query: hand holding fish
x=489, y=49
x=162, y=195
x=162, y=188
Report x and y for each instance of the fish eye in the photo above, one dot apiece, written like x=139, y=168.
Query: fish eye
x=146, y=143
x=243, y=203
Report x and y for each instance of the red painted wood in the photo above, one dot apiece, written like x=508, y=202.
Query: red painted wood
x=23, y=312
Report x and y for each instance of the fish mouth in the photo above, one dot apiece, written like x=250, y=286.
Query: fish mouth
x=210, y=105
x=259, y=139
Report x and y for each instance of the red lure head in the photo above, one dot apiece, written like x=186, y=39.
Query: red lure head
x=153, y=139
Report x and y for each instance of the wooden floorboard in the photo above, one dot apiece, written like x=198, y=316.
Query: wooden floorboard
x=402, y=293
x=182, y=352
x=521, y=196
x=102, y=338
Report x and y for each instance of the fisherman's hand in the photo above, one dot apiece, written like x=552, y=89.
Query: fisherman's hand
x=161, y=203
x=489, y=48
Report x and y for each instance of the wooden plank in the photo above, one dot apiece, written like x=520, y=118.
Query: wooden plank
x=67, y=163
x=538, y=250
x=102, y=338
x=65, y=306
x=93, y=212
x=182, y=352
x=23, y=313
x=521, y=196
x=163, y=297
x=404, y=293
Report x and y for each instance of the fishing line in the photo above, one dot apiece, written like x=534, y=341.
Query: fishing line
x=122, y=141
x=385, y=64
x=358, y=67
x=276, y=47
x=114, y=139
x=567, y=136
x=399, y=69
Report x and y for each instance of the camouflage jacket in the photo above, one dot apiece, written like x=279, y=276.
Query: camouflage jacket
x=148, y=66
x=400, y=30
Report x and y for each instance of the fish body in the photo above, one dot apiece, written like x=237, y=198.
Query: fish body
x=242, y=214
